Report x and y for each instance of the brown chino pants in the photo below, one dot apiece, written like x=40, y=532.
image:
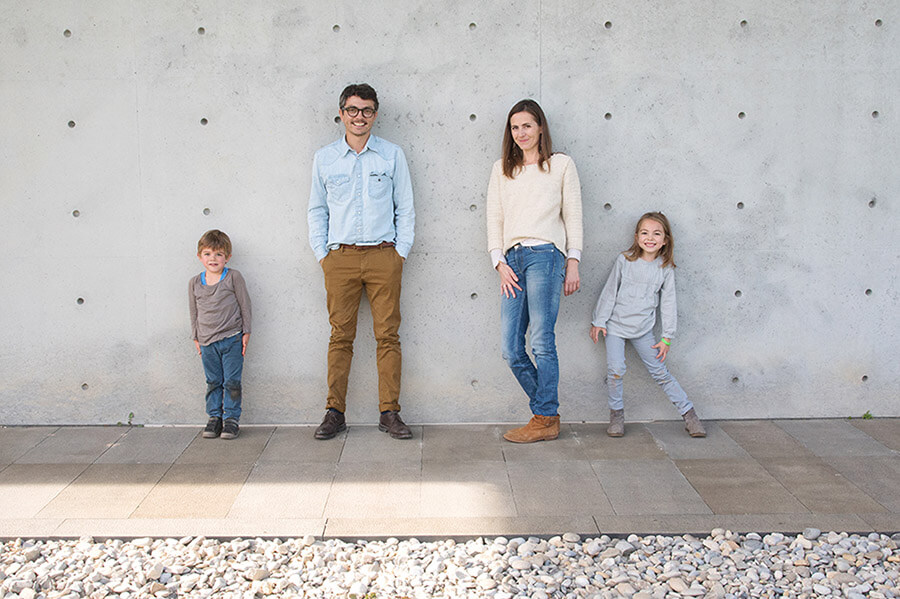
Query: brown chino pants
x=349, y=270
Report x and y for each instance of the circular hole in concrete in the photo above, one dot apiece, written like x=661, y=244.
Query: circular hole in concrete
x=84, y=386
x=865, y=377
x=472, y=207
x=872, y=203
x=607, y=116
x=742, y=115
x=206, y=211
x=71, y=124
x=79, y=301
x=472, y=26
x=868, y=292
x=336, y=28
x=201, y=30
x=744, y=23
x=472, y=117
x=875, y=114
x=737, y=293
x=337, y=119
x=67, y=33
x=735, y=379
x=607, y=206
x=76, y=213
x=474, y=383
x=474, y=296
x=878, y=23
x=740, y=205
x=608, y=24
x=203, y=121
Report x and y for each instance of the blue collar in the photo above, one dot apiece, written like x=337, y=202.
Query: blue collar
x=203, y=275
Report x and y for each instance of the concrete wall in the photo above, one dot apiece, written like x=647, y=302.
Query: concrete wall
x=767, y=131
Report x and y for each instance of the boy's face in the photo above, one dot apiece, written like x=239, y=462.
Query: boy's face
x=213, y=260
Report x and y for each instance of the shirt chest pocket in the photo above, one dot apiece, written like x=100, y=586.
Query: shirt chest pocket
x=642, y=289
x=338, y=188
x=380, y=185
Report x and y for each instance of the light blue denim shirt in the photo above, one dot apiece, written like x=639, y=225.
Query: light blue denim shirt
x=360, y=199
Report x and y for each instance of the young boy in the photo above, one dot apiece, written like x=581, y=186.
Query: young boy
x=220, y=325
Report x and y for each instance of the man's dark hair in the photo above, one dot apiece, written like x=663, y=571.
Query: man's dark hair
x=360, y=90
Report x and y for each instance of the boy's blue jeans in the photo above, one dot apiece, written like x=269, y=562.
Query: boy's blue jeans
x=541, y=271
x=223, y=364
x=615, y=370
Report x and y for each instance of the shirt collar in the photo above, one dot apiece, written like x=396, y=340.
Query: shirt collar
x=373, y=144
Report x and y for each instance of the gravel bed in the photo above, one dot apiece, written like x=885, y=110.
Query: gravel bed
x=721, y=565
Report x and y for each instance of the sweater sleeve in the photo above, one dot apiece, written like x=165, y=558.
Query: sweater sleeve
x=192, y=308
x=494, y=210
x=571, y=208
x=668, y=310
x=243, y=301
x=607, y=300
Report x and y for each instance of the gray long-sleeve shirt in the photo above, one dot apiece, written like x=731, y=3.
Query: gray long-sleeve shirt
x=221, y=310
x=634, y=290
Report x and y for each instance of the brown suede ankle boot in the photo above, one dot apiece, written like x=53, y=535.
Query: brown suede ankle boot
x=692, y=424
x=539, y=428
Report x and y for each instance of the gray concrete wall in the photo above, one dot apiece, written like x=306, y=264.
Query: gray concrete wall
x=767, y=131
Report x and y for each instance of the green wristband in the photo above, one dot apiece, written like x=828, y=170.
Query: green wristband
x=666, y=342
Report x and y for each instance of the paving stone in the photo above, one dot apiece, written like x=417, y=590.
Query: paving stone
x=566, y=447
x=285, y=490
x=834, y=437
x=15, y=441
x=884, y=430
x=246, y=449
x=466, y=489
x=73, y=445
x=297, y=444
x=738, y=486
x=648, y=487
x=764, y=439
x=26, y=488
x=462, y=443
x=819, y=487
x=375, y=490
x=678, y=445
x=149, y=445
x=878, y=477
x=105, y=491
x=368, y=444
x=637, y=444
x=195, y=490
x=564, y=488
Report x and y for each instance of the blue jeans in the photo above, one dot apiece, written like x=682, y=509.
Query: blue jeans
x=541, y=271
x=223, y=364
x=615, y=370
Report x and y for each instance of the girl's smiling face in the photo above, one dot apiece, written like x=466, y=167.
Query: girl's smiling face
x=525, y=131
x=651, y=237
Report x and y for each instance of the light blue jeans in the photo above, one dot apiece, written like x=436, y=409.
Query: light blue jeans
x=541, y=271
x=223, y=364
x=615, y=370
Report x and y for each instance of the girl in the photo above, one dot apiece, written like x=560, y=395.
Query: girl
x=533, y=214
x=642, y=280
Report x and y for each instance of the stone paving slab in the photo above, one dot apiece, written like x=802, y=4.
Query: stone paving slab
x=647, y=487
x=834, y=438
x=450, y=480
x=884, y=430
x=16, y=441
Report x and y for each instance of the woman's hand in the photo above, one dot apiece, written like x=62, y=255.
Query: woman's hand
x=663, y=349
x=508, y=280
x=573, y=281
x=595, y=333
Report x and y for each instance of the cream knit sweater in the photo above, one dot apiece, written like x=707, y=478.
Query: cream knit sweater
x=535, y=204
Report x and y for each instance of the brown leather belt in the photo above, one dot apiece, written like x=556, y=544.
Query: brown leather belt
x=383, y=244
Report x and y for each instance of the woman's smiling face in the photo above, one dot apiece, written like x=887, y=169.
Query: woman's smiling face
x=525, y=131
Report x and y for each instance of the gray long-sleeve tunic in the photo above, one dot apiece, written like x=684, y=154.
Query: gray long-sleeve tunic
x=221, y=310
x=634, y=290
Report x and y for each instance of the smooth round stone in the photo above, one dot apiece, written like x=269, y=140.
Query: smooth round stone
x=822, y=589
x=517, y=563
x=571, y=537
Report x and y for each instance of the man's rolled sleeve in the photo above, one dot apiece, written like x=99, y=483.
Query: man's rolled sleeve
x=404, y=213
x=317, y=214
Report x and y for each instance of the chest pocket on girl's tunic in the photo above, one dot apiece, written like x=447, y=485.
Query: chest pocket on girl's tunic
x=643, y=284
x=380, y=186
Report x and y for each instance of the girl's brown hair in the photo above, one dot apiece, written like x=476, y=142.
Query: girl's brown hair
x=513, y=159
x=667, y=253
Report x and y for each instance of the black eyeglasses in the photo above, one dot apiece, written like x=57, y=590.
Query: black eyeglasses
x=368, y=112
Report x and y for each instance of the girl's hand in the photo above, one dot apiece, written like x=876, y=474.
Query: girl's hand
x=573, y=281
x=663, y=348
x=244, y=339
x=197, y=345
x=508, y=280
x=595, y=333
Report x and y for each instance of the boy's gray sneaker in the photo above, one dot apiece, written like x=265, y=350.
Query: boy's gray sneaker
x=213, y=428
x=231, y=429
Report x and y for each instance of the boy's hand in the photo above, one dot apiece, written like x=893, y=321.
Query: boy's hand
x=663, y=348
x=197, y=344
x=595, y=333
x=244, y=339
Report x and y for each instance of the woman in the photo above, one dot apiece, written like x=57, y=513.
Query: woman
x=533, y=214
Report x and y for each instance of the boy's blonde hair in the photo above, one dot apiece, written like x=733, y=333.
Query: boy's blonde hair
x=216, y=241
x=667, y=253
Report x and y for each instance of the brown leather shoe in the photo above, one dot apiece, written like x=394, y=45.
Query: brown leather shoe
x=332, y=424
x=539, y=428
x=391, y=424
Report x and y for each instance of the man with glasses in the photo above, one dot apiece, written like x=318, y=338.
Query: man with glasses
x=361, y=221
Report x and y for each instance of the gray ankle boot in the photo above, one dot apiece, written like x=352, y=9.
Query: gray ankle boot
x=616, y=423
x=692, y=424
